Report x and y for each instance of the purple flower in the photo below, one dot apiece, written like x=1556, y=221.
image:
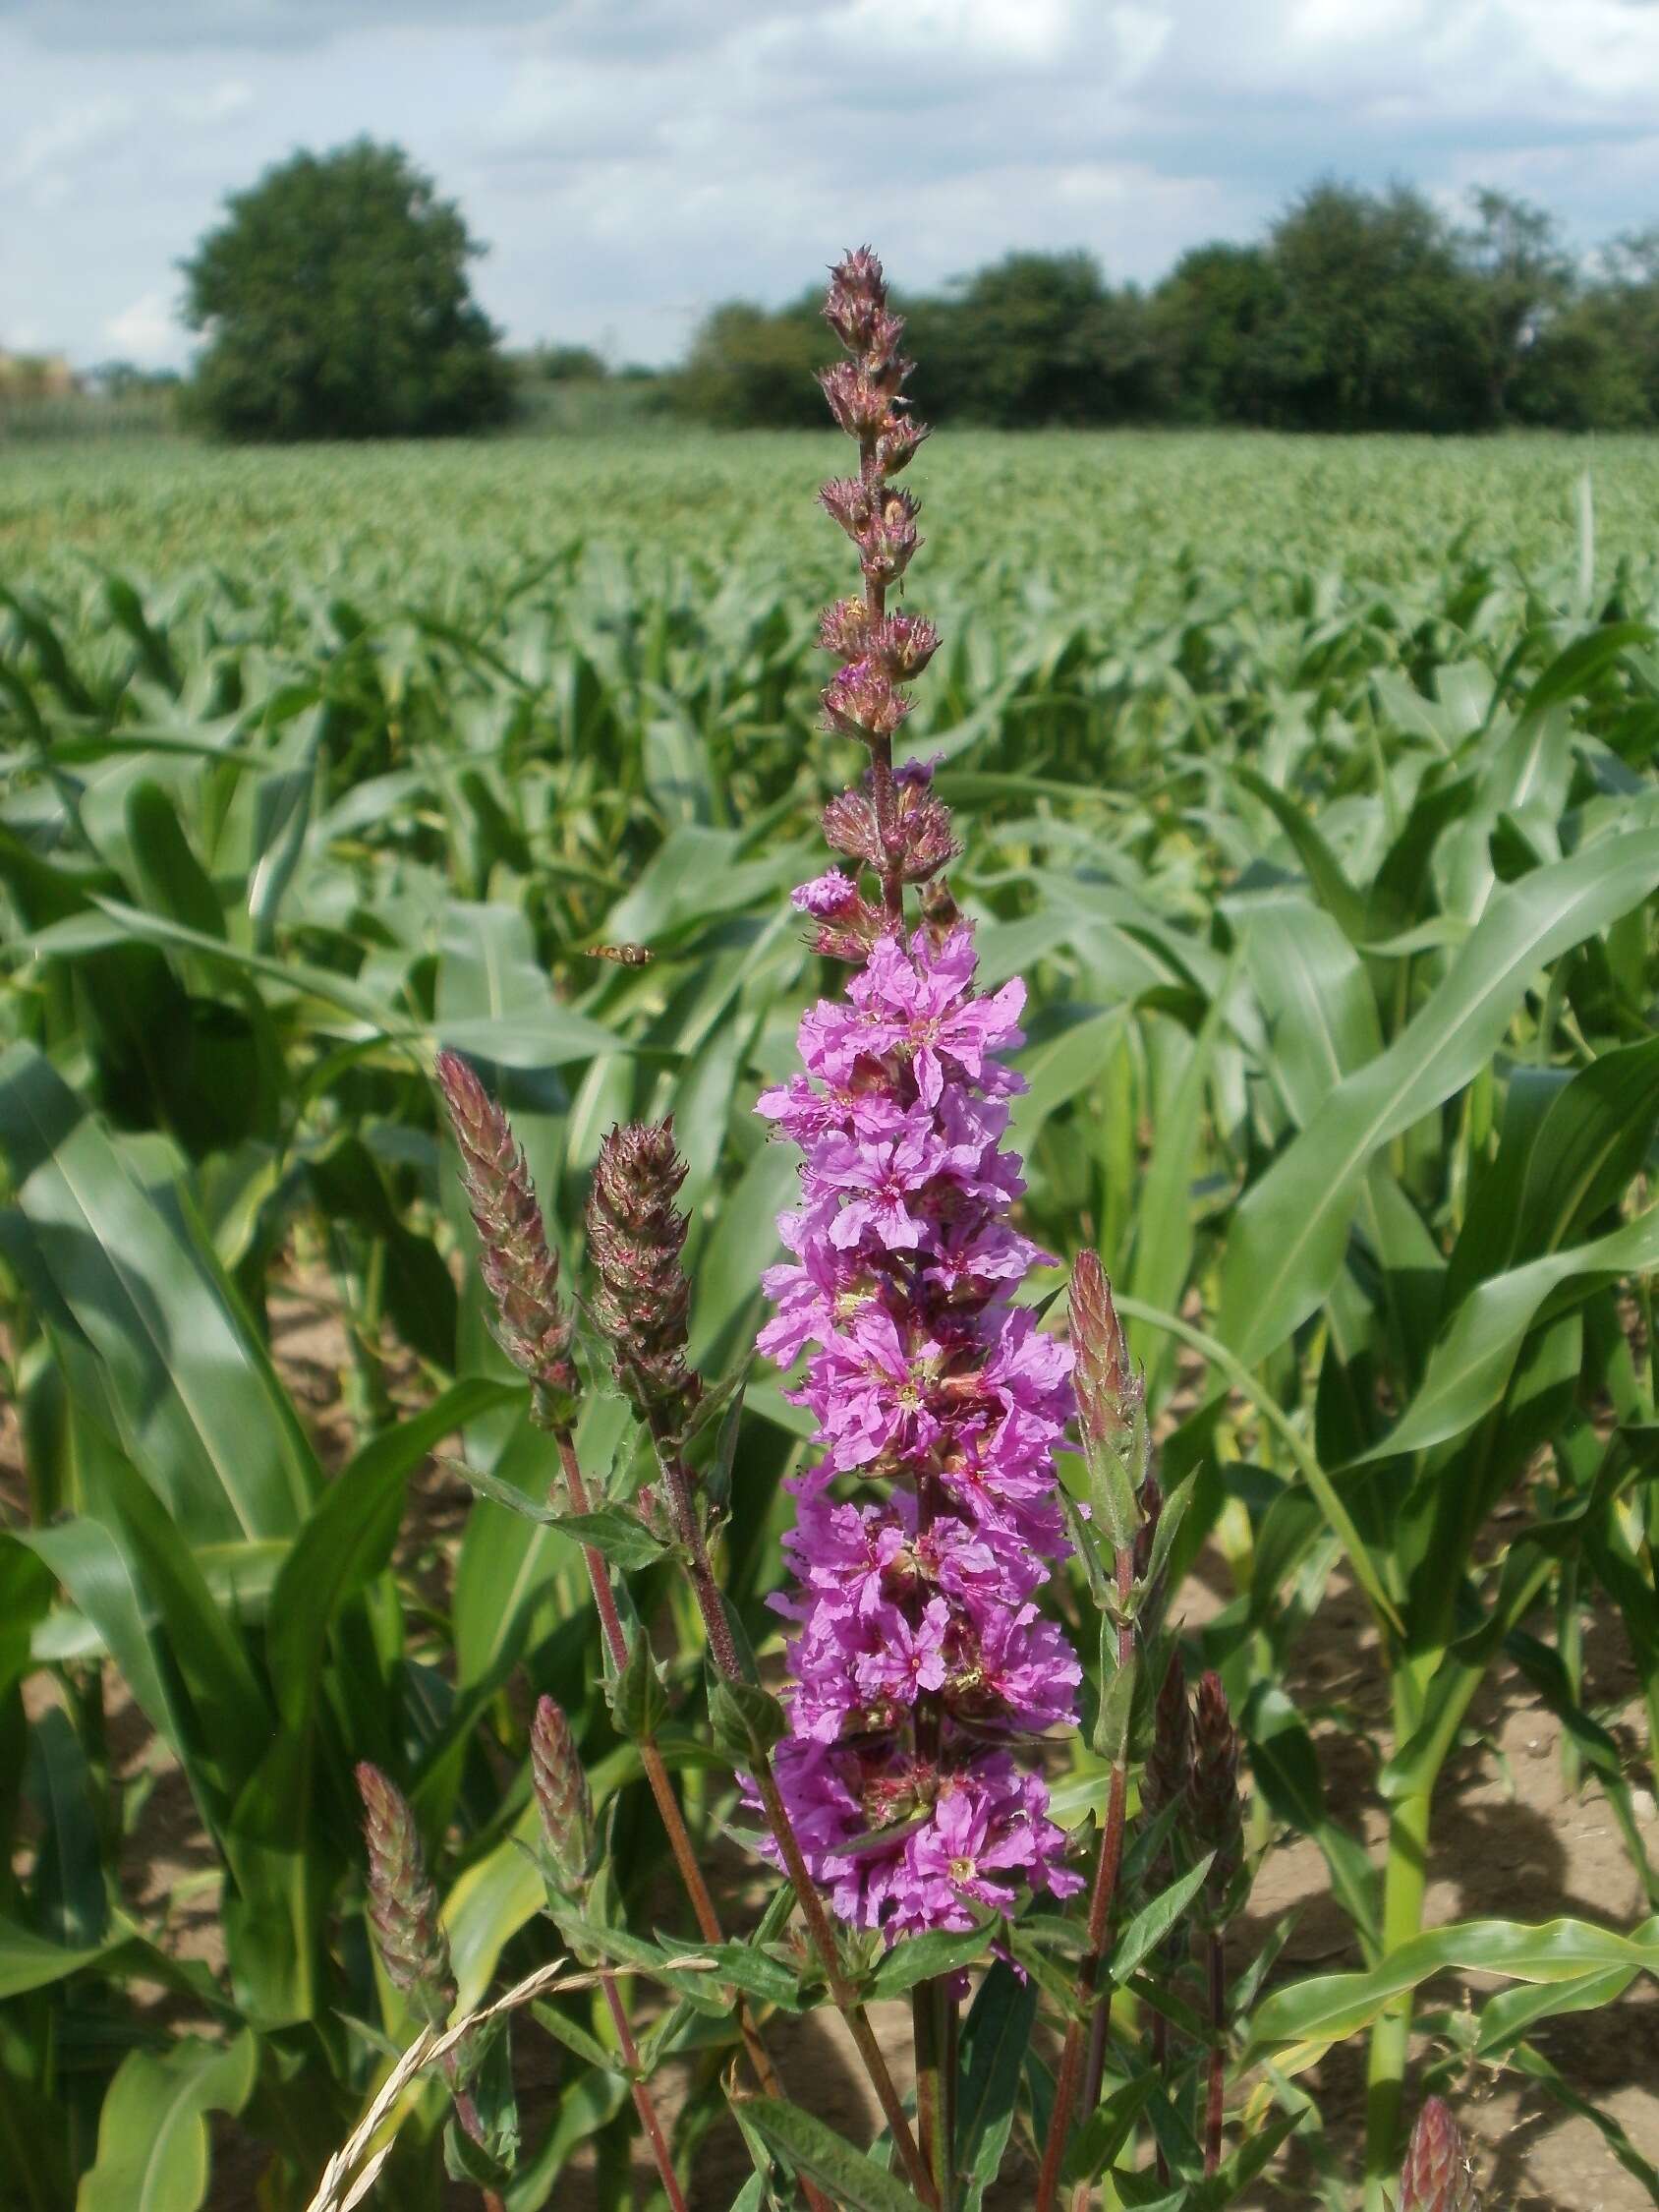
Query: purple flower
x=827, y=894
x=924, y=1379
x=919, y=1661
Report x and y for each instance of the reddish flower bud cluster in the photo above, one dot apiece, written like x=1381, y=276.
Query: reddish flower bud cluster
x=562, y=1797
x=519, y=1270
x=402, y=1901
x=866, y=398
x=1168, y=1761
x=1436, y=2176
x=635, y=1237
x=1107, y=1384
x=1213, y=1797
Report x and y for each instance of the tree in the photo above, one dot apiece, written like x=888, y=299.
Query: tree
x=1022, y=345
x=336, y=304
x=751, y=370
x=1378, y=326
x=1214, y=317
x=1521, y=278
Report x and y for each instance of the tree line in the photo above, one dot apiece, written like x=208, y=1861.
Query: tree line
x=335, y=300
x=1358, y=311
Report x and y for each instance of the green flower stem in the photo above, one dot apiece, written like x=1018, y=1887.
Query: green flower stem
x=1093, y=2022
x=924, y=2027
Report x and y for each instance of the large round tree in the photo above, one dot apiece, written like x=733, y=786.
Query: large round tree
x=336, y=304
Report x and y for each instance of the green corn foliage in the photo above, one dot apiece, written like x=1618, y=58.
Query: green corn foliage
x=1310, y=786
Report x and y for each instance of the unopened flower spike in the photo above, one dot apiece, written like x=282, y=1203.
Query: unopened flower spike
x=1217, y=1823
x=635, y=1237
x=520, y=1270
x=1437, y=2176
x=562, y=1797
x=403, y=1908
x=922, y=1675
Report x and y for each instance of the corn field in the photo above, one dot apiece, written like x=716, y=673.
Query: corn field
x=1312, y=790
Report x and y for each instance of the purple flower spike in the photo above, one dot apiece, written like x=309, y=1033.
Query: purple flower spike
x=919, y=1664
x=925, y=1381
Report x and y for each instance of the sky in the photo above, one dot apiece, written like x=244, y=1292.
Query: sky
x=630, y=162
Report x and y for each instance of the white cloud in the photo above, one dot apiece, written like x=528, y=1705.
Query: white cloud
x=146, y=332
x=630, y=162
x=71, y=130
x=220, y=104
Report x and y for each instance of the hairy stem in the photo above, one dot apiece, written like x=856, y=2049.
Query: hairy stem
x=881, y=747
x=642, y=2104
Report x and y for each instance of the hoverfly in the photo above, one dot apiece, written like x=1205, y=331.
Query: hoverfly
x=624, y=956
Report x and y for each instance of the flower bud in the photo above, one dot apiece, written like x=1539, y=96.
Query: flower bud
x=1436, y=2176
x=519, y=1270
x=860, y=702
x=857, y=399
x=850, y=827
x=402, y=1901
x=857, y=299
x=902, y=645
x=889, y=540
x=849, y=502
x=1217, y=1823
x=848, y=925
x=1168, y=1761
x=897, y=441
x=843, y=629
x=562, y=1795
x=635, y=1237
x=1111, y=1413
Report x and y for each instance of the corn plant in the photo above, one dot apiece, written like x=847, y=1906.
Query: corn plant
x=1333, y=896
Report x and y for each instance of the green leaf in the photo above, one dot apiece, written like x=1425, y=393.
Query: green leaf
x=811, y=2148
x=1330, y=2007
x=1106, y=2129
x=1290, y=1231
x=919, y=1958
x=744, y=1719
x=1147, y=1930
x=618, y=1534
x=349, y=1539
x=488, y=963
x=995, y=2037
x=33, y=1962
x=1470, y=1368
x=1336, y=895
x=70, y=1901
x=638, y=1703
x=201, y=1411
x=152, y=2130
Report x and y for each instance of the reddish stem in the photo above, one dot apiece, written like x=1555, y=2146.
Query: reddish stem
x=667, y=1804
x=1218, y=2053
x=642, y=2104
x=1102, y=1897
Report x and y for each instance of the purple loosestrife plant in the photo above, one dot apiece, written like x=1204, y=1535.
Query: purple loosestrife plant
x=900, y=1783
x=922, y=1675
